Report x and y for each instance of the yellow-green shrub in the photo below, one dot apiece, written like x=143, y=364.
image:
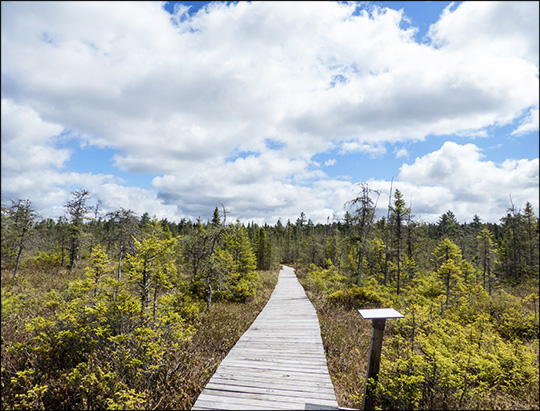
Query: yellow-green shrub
x=356, y=297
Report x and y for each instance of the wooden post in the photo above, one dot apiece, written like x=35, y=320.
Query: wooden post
x=378, y=317
x=374, y=362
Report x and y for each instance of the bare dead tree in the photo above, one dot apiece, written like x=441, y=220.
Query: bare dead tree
x=365, y=213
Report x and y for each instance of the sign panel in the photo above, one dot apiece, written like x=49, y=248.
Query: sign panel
x=378, y=313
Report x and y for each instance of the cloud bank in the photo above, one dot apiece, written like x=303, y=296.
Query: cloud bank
x=229, y=105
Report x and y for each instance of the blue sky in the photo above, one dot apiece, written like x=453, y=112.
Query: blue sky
x=271, y=108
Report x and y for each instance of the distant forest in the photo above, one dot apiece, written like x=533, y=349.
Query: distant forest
x=97, y=307
x=507, y=251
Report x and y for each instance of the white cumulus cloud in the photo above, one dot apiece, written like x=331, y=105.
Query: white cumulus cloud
x=194, y=100
x=457, y=178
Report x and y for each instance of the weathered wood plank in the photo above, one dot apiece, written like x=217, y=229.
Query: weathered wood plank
x=278, y=391
x=284, y=375
x=283, y=360
x=269, y=365
x=274, y=383
x=270, y=399
x=279, y=362
x=242, y=404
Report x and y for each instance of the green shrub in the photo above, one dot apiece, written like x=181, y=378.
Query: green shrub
x=324, y=280
x=356, y=297
x=44, y=261
x=97, y=350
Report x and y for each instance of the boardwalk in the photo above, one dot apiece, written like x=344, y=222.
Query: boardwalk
x=279, y=362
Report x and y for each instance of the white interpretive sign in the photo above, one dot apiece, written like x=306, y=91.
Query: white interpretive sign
x=376, y=313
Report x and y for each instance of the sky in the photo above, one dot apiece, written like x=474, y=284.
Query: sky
x=270, y=109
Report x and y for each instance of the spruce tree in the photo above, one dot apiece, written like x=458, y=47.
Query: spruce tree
x=16, y=226
x=398, y=216
x=77, y=210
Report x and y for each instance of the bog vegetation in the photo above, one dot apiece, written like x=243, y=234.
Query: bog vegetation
x=119, y=311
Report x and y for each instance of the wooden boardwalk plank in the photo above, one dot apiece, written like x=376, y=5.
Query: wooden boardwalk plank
x=278, y=363
x=274, y=383
x=289, y=376
x=239, y=397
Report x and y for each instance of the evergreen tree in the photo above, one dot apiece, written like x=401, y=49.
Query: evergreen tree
x=486, y=253
x=236, y=242
x=17, y=223
x=62, y=238
x=531, y=240
x=448, y=258
x=152, y=267
x=123, y=227
x=98, y=267
x=448, y=226
x=347, y=222
x=398, y=216
x=445, y=251
x=77, y=210
x=476, y=222
x=288, y=248
x=205, y=260
x=216, y=220
x=515, y=247
x=243, y=278
x=263, y=250
x=145, y=219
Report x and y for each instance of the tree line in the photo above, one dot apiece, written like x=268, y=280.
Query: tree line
x=134, y=287
x=389, y=248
